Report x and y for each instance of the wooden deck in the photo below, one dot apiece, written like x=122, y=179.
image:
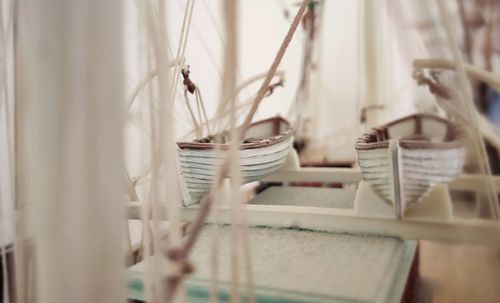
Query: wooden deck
x=457, y=273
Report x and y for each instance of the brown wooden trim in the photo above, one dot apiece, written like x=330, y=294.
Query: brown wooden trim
x=377, y=137
x=276, y=126
x=275, y=139
x=430, y=145
x=418, y=126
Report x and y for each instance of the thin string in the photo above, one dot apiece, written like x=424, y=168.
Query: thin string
x=242, y=105
x=238, y=229
x=4, y=38
x=433, y=33
x=193, y=117
x=489, y=35
x=358, y=65
x=144, y=215
x=163, y=159
x=214, y=256
x=199, y=111
x=206, y=201
x=240, y=108
x=214, y=22
x=148, y=236
x=274, y=66
x=147, y=79
x=228, y=86
x=20, y=234
x=208, y=50
x=263, y=89
x=468, y=100
x=200, y=100
x=223, y=111
x=181, y=48
x=219, y=33
x=182, y=252
x=317, y=68
x=4, y=219
x=170, y=194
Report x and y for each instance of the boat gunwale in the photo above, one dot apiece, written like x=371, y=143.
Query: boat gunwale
x=277, y=138
x=369, y=140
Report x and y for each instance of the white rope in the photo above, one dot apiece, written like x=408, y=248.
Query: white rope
x=206, y=202
x=198, y=109
x=218, y=117
x=150, y=281
x=199, y=100
x=162, y=186
x=473, y=71
x=214, y=251
x=4, y=96
x=219, y=34
x=181, y=48
x=470, y=109
x=147, y=79
x=6, y=45
x=193, y=117
x=228, y=86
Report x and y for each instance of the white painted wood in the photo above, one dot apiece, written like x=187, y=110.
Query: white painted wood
x=198, y=167
x=420, y=170
x=465, y=182
x=403, y=175
x=346, y=220
x=476, y=231
x=436, y=205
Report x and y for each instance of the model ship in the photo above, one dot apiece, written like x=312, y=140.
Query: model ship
x=264, y=150
x=405, y=159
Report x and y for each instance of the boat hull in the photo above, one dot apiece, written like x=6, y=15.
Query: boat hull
x=198, y=165
x=402, y=172
x=419, y=171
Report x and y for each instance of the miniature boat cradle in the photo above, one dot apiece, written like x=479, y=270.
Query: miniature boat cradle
x=264, y=149
x=405, y=159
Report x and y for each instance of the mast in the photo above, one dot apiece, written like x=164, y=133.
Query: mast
x=373, y=36
x=306, y=98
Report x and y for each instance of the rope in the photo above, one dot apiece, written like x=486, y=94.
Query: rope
x=198, y=109
x=270, y=74
x=193, y=117
x=206, y=202
x=181, y=252
x=219, y=33
x=468, y=100
x=181, y=48
x=162, y=158
x=221, y=113
x=228, y=86
x=5, y=36
x=146, y=80
x=200, y=100
x=243, y=105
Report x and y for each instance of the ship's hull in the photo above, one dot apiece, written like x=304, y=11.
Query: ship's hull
x=402, y=172
x=198, y=166
x=418, y=171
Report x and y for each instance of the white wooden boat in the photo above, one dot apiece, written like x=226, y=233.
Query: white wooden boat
x=264, y=150
x=405, y=159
